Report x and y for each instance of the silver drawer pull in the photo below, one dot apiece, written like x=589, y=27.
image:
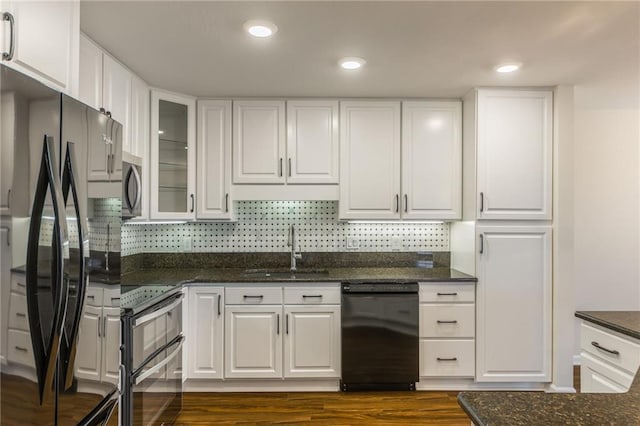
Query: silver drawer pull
x=602, y=348
x=20, y=284
x=20, y=314
x=447, y=359
x=113, y=299
x=90, y=296
x=20, y=348
x=447, y=294
x=248, y=296
x=447, y=322
x=309, y=296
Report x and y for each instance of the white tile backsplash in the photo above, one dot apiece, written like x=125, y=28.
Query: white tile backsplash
x=262, y=226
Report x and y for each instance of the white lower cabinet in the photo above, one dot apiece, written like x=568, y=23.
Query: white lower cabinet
x=99, y=337
x=204, y=343
x=312, y=341
x=263, y=332
x=447, y=330
x=513, y=322
x=609, y=360
x=253, y=341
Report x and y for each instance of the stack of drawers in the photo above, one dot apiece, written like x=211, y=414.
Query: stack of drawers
x=609, y=360
x=447, y=330
x=19, y=349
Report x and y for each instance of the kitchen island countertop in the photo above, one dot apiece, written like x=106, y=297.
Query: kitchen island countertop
x=520, y=408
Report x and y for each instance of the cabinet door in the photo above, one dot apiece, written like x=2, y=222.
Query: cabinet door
x=370, y=160
x=205, y=333
x=214, y=160
x=98, y=149
x=312, y=341
x=89, y=359
x=111, y=347
x=139, y=142
x=46, y=36
x=515, y=131
x=513, y=307
x=258, y=142
x=173, y=156
x=253, y=341
x=431, y=160
x=5, y=289
x=116, y=94
x=90, y=78
x=8, y=134
x=312, y=142
x=597, y=376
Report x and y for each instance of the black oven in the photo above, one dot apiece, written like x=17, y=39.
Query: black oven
x=153, y=361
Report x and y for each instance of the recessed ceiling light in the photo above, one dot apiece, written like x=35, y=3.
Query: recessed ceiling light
x=351, y=63
x=510, y=67
x=260, y=29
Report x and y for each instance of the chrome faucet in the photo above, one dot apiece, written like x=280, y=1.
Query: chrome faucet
x=292, y=243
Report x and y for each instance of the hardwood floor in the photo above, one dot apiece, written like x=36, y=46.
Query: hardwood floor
x=326, y=408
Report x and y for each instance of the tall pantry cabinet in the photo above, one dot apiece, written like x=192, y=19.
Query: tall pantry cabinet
x=507, y=196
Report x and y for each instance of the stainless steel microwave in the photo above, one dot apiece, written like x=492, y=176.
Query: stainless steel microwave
x=131, y=190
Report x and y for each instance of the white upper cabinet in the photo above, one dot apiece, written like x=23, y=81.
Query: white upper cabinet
x=42, y=41
x=514, y=290
x=116, y=96
x=312, y=142
x=90, y=79
x=514, y=154
x=139, y=137
x=369, y=160
x=214, y=160
x=173, y=156
x=431, y=160
x=258, y=141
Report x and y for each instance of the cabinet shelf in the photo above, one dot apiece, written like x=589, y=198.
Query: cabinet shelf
x=173, y=141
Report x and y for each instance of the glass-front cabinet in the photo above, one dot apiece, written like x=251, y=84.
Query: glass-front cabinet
x=173, y=156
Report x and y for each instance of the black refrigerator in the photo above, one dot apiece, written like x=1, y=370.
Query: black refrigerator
x=58, y=366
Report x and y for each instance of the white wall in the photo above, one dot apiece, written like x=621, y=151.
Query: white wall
x=607, y=215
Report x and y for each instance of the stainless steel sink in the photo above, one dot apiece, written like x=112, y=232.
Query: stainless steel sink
x=287, y=275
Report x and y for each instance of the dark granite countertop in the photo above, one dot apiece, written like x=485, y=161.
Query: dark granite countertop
x=175, y=276
x=539, y=408
x=624, y=322
x=528, y=408
x=95, y=276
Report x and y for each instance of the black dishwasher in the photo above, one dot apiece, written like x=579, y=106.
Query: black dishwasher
x=379, y=336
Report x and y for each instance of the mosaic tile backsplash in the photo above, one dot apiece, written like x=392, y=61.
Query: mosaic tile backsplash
x=262, y=226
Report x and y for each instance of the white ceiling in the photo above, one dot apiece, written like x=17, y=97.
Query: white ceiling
x=413, y=49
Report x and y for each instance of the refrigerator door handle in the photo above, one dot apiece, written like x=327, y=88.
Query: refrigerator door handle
x=70, y=184
x=46, y=353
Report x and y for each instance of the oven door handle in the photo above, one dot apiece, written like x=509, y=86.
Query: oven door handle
x=159, y=312
x=139, y=377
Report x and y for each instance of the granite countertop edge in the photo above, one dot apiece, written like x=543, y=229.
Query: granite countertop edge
x=624, y=322
x=177, y=276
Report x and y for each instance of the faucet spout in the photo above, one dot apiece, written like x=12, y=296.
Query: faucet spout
x=295, y=256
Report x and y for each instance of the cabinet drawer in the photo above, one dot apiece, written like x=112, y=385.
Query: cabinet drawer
x=253, y=295
x=447, y=292
x=312, y=295
x=18, y=312
x=112, y=297
x=447, y=358
x=19, y=348
x=447, y=320
x=19, y=283
x=599, y=377
x=93, y=296
x=627, y=354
